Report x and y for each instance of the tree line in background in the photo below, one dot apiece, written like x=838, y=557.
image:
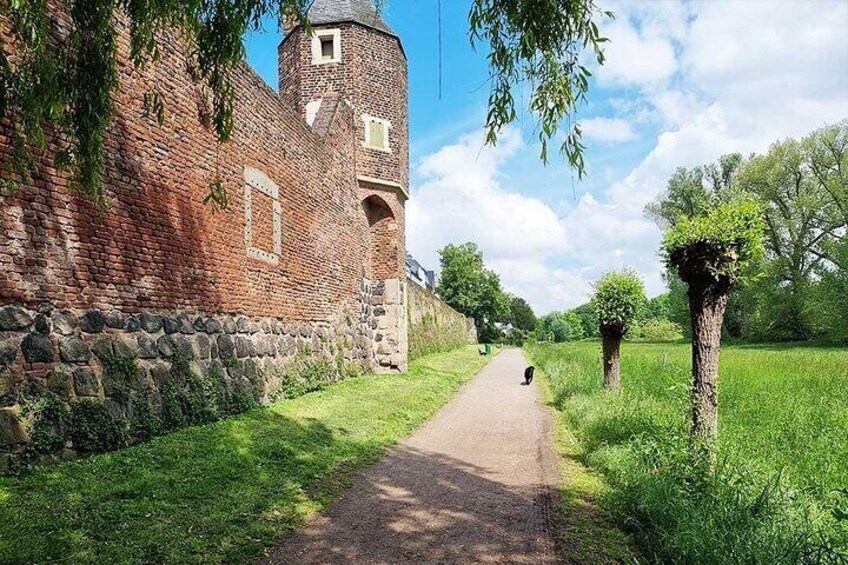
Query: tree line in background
x=469, y=287
x=652, y=322
x=798, y=289
x=474, y=290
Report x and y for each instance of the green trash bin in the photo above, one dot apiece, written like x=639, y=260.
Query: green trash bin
x=488, y=349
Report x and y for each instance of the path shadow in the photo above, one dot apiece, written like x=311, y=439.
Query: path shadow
x=423, y=507
x=234, y=485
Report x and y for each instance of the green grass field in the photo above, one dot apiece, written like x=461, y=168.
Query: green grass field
x=221, y=492
x=780, y=490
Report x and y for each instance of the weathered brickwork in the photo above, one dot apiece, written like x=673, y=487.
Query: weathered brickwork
x=371, y=75
x=302, y=258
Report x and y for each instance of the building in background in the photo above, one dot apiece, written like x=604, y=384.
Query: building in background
x=419, y=275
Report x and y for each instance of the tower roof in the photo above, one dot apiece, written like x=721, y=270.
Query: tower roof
x=361, y=12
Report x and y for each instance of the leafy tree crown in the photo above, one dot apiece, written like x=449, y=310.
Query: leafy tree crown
x=717, y=246
x=472, y=289
x=521, y=314
x=692, y=192
x=619, y=296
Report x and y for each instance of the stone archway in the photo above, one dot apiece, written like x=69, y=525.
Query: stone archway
x=387, y=300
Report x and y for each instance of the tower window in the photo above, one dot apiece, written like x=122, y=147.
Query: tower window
x=377, y=133
x=326, y=46
x=327, y=51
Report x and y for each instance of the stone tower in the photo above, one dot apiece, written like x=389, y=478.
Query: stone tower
x=352, y=56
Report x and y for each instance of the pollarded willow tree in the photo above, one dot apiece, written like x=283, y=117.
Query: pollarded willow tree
x=618, y=298
x=709, y=253
x=61, y=77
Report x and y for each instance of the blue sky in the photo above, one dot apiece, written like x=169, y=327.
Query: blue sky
x=684, y=83
x=436, y=121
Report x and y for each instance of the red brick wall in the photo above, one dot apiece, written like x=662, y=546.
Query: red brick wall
x=372, y=76
x=159, y=270
x=158, y=246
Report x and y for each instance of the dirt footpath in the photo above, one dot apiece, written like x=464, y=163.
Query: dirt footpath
x=475, y=484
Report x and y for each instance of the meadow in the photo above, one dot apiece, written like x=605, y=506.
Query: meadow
x=779, y=489
x=221, y=492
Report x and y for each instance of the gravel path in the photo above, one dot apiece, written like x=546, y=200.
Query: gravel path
x=476, y=484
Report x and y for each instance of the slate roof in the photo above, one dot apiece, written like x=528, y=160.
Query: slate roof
x=362, y=12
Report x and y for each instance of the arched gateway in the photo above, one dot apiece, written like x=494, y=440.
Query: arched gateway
x=383, y=240
x=386, y=281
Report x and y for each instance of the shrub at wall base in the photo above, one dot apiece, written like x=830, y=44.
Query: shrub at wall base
x=76, y=383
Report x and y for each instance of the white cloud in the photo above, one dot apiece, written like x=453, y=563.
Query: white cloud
x=702, y=79
x=636, y=56
x=461, y=199
x=546, y=288
x=610, y=130
x=778, y=68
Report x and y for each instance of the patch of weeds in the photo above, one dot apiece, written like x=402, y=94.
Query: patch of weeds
x=120, y=371
x=348, y=370
x=145, y=423
x=308, y=373
x=173, y=416
x=191, y=398
x=94, y=429
x=231, y=400
x=48, y=431
x=49, y=428
x=201, y=399
x=198, y=394
x=238, y=401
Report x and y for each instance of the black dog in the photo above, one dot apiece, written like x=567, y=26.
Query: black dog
x=528, y=374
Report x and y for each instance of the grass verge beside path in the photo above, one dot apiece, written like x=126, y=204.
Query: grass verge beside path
x=779, y=492
x=222, y=492
x=585, y=532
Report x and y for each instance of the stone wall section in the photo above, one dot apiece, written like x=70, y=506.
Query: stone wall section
x=433, y=325
x=389, y=323
x=62, y=351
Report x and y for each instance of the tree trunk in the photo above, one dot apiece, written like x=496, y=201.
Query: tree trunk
x=707, y=303
x=612, y=357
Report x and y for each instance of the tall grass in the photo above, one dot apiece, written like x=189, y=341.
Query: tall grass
x=779, y=491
